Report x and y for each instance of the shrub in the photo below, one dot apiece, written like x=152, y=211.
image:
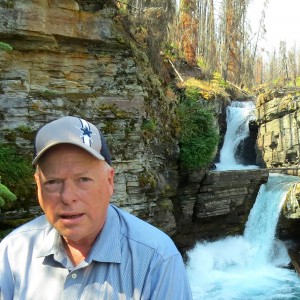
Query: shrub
x=5, y=47
x=192, y=92
x=198, y=89
x=6, y=195
x=199, y=135
x=16, y=172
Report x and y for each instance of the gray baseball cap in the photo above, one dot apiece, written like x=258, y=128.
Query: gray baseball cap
x=71, y=130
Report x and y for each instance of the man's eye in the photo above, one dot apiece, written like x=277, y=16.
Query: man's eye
x=53, y=185
x=84, y=179
x=52, y=182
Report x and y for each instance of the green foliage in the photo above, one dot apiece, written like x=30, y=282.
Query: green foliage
x=201, y=63
x=219, y=80
x=26, y=132
x=149, y=125
x=5, y=47
x=16, y=171
x=4, y=233
x=170, y=51
x=208, y=90
x=199, y=136
x=147, y=181
x=6, y=195
x=192, y=93
x=149, y=128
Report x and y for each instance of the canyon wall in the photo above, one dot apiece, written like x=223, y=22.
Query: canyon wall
x=216, y=204
x=278, y=146
x=278, y=119
x=71, y=58
x=76, y=58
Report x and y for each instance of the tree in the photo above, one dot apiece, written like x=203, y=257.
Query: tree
x=207, y=44
x=259, y=72
x=284, y=72
x=261, y=29
x=273, y=68
x=292, y=65
x=234, y=39
x=188, y=26
x=199, y=136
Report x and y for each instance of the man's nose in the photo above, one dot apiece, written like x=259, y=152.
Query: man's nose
x=68, y=192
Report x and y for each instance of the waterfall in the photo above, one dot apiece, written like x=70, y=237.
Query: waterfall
x=177, y=3
x=238, y=116
x=251, y=266
x=260, y=228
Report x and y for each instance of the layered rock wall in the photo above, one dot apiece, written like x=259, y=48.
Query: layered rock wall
x=278, y=118
x=278, y=146
x=75, y=58
x=216, y=204
x=71, y=58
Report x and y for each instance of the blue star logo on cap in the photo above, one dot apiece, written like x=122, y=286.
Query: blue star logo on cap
x=86, y=132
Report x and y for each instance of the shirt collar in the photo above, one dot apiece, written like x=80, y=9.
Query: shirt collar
x=107, y=246
x=50, y=242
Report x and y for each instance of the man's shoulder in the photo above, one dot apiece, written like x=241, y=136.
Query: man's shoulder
x=143, y=233
x=32, y=227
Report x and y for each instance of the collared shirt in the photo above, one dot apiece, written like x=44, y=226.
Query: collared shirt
x=130, y=259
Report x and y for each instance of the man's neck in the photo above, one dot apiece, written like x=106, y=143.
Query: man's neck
x=77, y=252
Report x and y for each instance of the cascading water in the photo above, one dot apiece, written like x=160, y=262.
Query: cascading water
x=252, y=266
x=177, y=5
x=238, y=116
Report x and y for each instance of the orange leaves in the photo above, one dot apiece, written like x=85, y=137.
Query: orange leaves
x=189, y=30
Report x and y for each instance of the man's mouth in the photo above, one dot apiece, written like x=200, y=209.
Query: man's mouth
x=71, y=216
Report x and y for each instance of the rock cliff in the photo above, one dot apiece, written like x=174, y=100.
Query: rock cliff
x=278, y=145
x=278, y=118
x=216, y=204
x=75, y=58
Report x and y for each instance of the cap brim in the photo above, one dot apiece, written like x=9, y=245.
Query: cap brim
x=80, y=145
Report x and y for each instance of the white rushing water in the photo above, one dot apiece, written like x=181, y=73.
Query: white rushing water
x=238, y=116
x=251, y=266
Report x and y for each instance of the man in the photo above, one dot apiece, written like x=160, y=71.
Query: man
x=84, y=247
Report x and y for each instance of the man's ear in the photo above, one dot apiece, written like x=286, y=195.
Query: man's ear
x=36, y=177
x=111, y=177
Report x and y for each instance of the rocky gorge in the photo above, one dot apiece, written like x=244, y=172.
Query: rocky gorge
x=77, y=58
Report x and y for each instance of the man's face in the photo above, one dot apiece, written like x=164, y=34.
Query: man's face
x=74, y=190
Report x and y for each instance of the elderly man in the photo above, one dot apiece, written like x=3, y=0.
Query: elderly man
x=83, y=247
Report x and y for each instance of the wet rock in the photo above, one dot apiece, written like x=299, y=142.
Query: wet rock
x=217, y=205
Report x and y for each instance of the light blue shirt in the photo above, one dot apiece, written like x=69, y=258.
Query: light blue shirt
x=130, y=259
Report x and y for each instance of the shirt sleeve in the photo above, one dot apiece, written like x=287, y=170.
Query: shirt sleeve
x=170, y=281
x=6, y=278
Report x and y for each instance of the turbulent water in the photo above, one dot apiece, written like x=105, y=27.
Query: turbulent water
x=238, y=116
x=251, y=266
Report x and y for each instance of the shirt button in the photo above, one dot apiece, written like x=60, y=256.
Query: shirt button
x=74, y=276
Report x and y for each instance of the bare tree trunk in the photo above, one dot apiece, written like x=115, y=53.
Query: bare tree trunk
x=283, y=61
x=292, y=63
